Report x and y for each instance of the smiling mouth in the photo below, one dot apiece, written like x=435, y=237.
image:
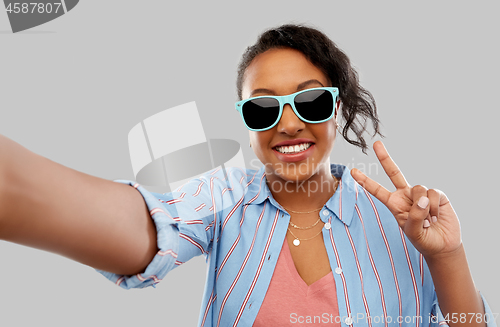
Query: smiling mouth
x=291, y=149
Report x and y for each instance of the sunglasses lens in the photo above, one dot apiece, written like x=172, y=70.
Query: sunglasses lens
x=315, y=105
x=261, y=113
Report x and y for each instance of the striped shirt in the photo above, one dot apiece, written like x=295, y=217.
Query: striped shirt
x=231, y=217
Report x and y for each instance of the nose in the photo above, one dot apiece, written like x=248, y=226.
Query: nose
x=289, y=123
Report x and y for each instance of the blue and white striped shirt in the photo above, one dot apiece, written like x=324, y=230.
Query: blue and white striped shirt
x=381, y=279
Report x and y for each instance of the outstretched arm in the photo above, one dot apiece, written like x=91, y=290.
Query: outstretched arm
x=430, y=223
x=97, y=222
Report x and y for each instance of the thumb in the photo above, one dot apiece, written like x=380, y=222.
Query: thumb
x=416, y=217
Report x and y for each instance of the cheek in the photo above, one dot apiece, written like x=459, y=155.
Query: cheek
x=254, y=140
x=260, y=140
x=327, y=136
x=326, y=131
x=332, y=134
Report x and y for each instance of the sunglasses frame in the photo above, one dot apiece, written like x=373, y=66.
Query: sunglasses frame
x=288, y=99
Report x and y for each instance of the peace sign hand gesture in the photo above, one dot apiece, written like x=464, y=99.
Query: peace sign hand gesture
x=426, y=216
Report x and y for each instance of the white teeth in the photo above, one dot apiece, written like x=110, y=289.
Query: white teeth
x=293, y=148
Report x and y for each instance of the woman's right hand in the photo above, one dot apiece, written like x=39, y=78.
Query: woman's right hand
x=48, y=206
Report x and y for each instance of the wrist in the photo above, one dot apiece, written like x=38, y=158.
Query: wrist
x=451, y=257
x=9, y=152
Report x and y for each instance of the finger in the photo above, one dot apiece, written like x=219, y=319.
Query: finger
x=434, y=199
x=418, y=191
x=418, y=212
x=443, y=199
x=390, y=167
x=371, y=186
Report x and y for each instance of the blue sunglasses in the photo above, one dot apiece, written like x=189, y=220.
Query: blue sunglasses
x=313, y=106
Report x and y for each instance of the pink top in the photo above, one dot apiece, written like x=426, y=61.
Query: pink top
x=290, y=302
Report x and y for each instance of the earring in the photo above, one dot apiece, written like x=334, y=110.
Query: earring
x=250, y=144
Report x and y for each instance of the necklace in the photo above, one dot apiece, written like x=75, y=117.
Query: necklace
x=302, y=211
x=292, y=211
x=307, y=227
x=297, y=240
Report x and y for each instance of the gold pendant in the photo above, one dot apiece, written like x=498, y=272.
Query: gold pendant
x=296, y=242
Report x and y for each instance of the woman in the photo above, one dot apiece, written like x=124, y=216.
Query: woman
x=298, y=241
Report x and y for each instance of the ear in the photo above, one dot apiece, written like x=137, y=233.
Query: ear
x=337, y=106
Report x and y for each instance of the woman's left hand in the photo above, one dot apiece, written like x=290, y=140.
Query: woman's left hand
x=434, y=229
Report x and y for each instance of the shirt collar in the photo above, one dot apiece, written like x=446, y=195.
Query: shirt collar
x=257, y=188
x=344, y=199
x=341, y=203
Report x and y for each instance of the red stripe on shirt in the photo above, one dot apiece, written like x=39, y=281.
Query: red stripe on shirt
x=163, y=253
x=239, y=235
x=199, y=189
x=119, y=280
x=155, y=210
x=213, y=204
x=360, y=273
x=342, y=273
x=388, y=251
x=233, y=284
x=194, y=222
x=233, y=210
x=210, y=301
x=198, y=208
x=412, y=273
x=209, y=226
x=261, y=263
x=422, y=268
x=190, y=240
x=337, y=258
x=372, y=262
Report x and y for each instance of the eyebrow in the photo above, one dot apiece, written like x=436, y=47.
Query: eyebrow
x=301, y=86
x=307, y=83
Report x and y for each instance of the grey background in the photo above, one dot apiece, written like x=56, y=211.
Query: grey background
x=71, y=90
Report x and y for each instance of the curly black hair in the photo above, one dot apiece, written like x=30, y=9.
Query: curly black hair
x=357, y=104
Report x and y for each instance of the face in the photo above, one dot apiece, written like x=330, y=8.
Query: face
x=283, y=72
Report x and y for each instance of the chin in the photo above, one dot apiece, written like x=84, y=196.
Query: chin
x=295, y=176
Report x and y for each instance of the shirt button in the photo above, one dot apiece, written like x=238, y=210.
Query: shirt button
x=338, y=270
x=328, y=225
x=348, y=320
x=325, y=212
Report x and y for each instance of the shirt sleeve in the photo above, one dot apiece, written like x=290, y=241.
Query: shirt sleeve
x=184, y=222
x=439, y=320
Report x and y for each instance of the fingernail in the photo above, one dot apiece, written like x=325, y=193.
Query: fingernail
x=434, y=219
x=426, y=223
x=423, y=202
